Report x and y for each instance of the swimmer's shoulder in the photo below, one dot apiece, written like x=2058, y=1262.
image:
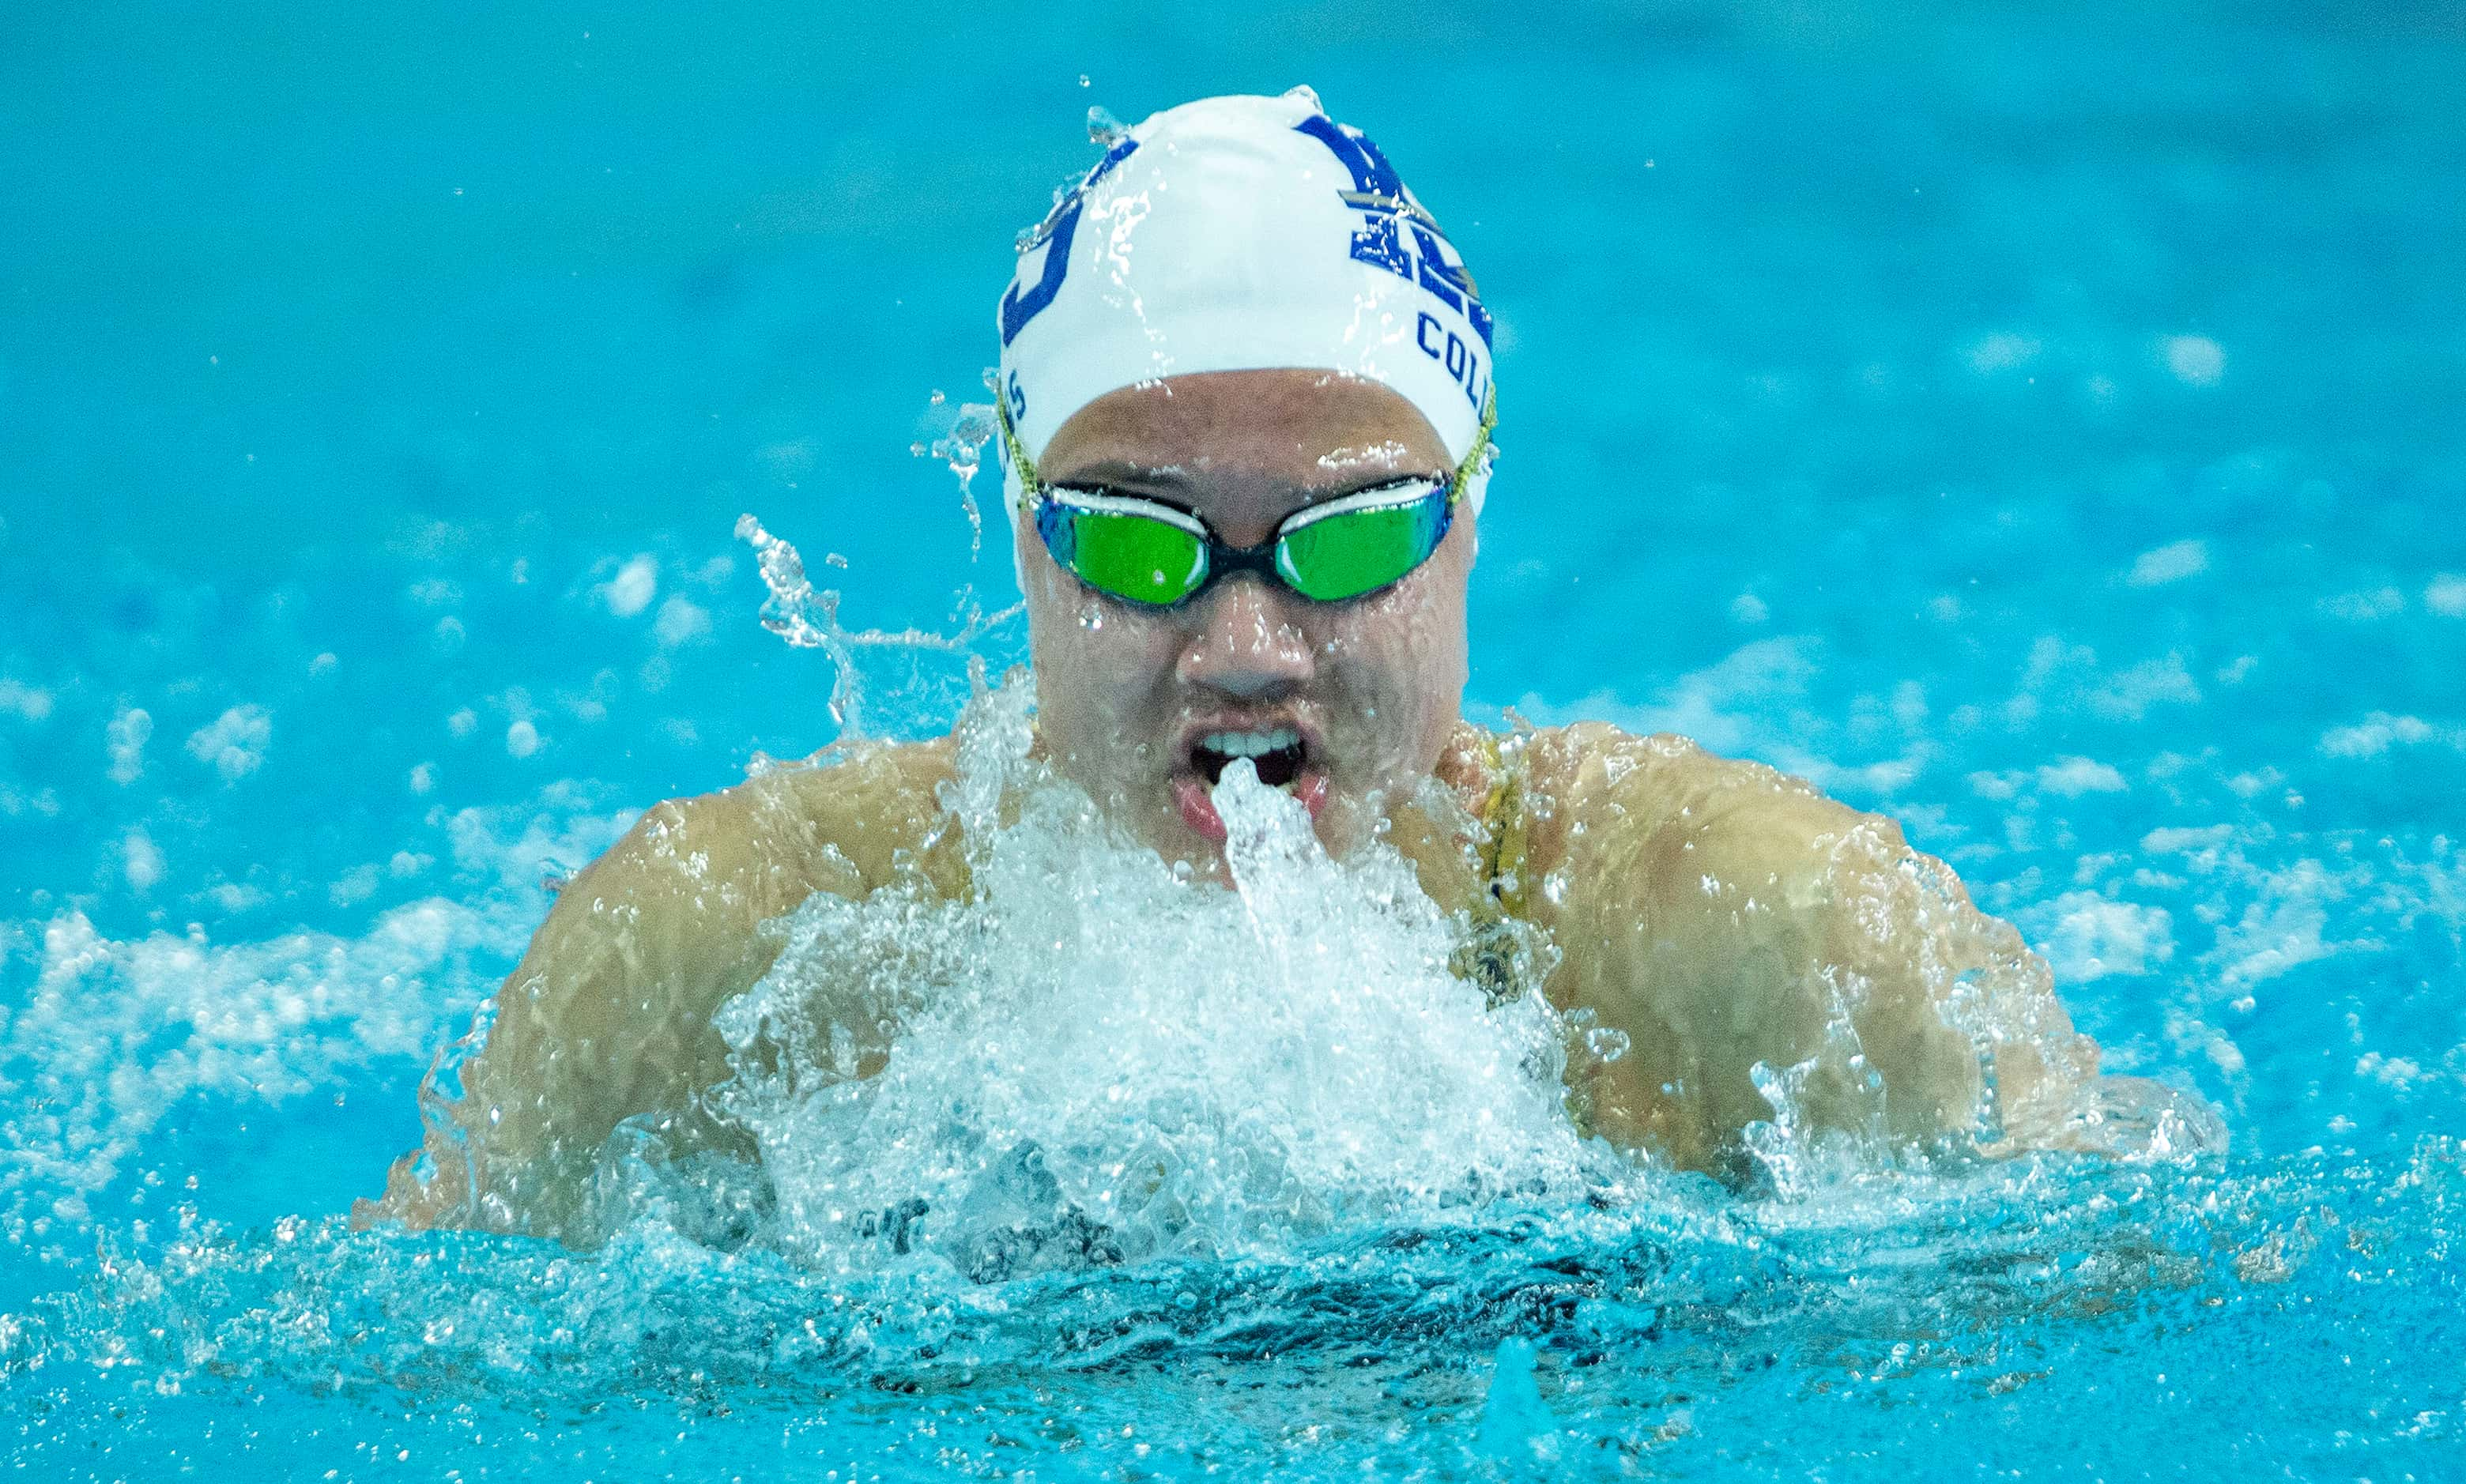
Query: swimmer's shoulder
x=844, y=822
x=1592, y=787
x=847, y=821
x=609, y=1014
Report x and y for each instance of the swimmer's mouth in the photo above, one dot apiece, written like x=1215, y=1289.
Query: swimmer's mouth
x=1286, y=757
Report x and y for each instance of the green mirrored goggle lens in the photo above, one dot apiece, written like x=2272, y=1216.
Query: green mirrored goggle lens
x=1344, y=556
x=1133, y=556
x=1150, y=559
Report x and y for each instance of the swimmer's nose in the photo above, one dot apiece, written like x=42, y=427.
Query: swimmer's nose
x=1245, y=643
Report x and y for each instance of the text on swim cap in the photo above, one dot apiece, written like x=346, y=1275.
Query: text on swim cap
x=1461, y=361
x=1378, y=193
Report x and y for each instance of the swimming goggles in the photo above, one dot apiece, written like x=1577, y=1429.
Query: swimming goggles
x=1146, y=552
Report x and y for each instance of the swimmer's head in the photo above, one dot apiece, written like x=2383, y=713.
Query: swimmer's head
x=1241, y=316
x=1234, y=235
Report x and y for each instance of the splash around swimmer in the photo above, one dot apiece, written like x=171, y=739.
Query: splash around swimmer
x=1246, y=399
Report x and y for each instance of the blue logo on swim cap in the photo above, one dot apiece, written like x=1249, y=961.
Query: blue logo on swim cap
x=1378, y=193
x=1054, y=236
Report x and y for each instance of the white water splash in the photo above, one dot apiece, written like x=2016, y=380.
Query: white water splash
x=1098, y=1058
x=960, y=444
x=808, y=617
x=117, y=1035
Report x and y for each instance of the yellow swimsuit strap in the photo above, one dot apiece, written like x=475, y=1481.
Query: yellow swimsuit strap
x=1502, y=820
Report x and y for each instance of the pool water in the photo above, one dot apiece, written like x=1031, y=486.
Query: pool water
x=2041, y=428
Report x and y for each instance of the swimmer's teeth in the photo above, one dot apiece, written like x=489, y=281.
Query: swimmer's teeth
x=1276, y=753
x=1250, y=744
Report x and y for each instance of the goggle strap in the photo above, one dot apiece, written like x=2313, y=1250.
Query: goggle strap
x=1030, y=487
x=1480, y=449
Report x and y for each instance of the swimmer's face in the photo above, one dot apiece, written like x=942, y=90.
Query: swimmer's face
x=1139, y=705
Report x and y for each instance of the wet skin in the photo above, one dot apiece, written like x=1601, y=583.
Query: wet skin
x=1126, y=692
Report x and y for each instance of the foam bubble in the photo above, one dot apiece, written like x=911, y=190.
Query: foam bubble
x=2195, y=360
x=2169, y=563
x=2087, y=937
x=2375, y=734
x=26, y=702
x=2365, y=606
x=682, y=621
x=631, y=590
x=141, y=860
x=2129, y=695
x=2069, y=778
x=234, y=743
x=127, y=736
x=2001, y=351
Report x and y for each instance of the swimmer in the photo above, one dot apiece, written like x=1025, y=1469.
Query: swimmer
x=1246, y=412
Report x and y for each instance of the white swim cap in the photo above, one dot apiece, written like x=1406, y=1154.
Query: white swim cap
x=1234, y=235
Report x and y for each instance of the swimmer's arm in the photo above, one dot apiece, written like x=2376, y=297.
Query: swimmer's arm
x=609, y=1014
x=1736, y=919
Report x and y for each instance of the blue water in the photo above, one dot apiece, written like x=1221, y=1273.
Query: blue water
x=2039, y=424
